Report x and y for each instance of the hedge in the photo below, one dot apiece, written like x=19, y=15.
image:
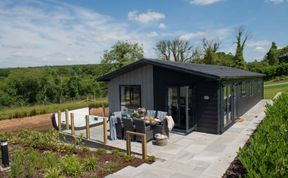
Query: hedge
x=266, y=155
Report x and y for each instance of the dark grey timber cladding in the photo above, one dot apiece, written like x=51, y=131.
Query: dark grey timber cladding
x=205, y=111
x=142, y=76
x=247, y=102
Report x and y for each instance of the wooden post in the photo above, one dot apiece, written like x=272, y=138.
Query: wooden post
x=87, y=127
x=72, y=124
x=144, y=147
x=59, y=121
x=105, y=134
x=103, y=110
x=67, y=119
x=144, y=143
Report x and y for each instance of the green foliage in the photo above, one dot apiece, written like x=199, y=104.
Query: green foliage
x=46, y=85
x=241, y=38
x=271, y=56
x=19, y=112
x=53, y=173
x=101, y=150
x=129, y=158
x=151, y=158
x=109, y=167
x=70, y=166
x=118, y=153
x=121, y=54
x=210, y=48
x=90, y=164
x=266, y=154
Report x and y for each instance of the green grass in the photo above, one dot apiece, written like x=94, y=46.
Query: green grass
x=19, y=112
x=270, y=91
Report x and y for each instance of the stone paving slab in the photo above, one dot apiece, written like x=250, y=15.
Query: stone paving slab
x=197, y=154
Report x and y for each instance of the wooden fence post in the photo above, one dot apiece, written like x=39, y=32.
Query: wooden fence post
x=103, y=110
x=144, y=143
x=72, y=124
x=87, y=127
x=59, y=121
x=67, y=119
x=144, y=147
x=105, y=134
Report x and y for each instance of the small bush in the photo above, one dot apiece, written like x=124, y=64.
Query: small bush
x=101, y=150
x=109, y=167
x=70, y=166
x=129, y=158
x=53, y=173
x=151, y=158
x=90, y=164
x=118, y=153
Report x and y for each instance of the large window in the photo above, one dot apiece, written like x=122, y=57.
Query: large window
x=130, y=96
x=227, y=104
x=251, y=88
x=243, y=88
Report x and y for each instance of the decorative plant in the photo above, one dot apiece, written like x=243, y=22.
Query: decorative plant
x=90, y=164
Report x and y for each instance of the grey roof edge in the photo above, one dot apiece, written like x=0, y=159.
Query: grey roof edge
x=144, y=61
x=168, y=65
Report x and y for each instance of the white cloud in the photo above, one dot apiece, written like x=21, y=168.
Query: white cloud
x=152, y=34
x=260, y=49
x=204, y=2
x=36, y=33
x=219, y=34
x=252, y=43
x=276, y=1
x=190, y=36
x=162, y=26
x=148, y=17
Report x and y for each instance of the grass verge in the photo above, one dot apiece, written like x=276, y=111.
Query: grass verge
x=19, y=112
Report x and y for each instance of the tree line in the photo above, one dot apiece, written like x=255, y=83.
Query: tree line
x=58, y=84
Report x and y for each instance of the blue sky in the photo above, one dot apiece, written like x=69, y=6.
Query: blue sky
x=51, y=32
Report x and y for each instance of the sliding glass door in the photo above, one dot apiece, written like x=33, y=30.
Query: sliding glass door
x=180, y=107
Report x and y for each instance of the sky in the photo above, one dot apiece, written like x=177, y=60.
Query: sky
x=66, y=32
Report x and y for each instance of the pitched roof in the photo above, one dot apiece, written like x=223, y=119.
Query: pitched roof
x=210, y=71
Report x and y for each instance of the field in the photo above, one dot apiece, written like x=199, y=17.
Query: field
x=19, y=112
x=274, y=86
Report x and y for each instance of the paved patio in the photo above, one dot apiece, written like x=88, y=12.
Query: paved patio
x=194, y=155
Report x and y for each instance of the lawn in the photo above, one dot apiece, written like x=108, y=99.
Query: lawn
x=271, y=88
x=19, y=112
x=40, y=154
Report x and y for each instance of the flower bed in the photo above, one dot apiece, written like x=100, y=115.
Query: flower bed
x=40, y=154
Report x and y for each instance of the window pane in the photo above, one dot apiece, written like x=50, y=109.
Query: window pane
x=130, y=97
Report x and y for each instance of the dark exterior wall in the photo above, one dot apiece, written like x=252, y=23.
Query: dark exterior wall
x=142, y=76
x=243, y=103
x=247, y=102
x=205, y=111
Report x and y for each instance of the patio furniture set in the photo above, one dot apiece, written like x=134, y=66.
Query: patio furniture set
x=149, y=122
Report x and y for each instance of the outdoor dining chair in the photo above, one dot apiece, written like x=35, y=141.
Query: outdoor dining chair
x=150, y=113
x=128, y=126
x=141, y=127
x=161, y=115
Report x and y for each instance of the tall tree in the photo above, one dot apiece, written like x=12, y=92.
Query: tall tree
x=123, y=53
x=271, y=56
x=196, y=56
x=210, y=48
x=241, y=39
x=178, y=50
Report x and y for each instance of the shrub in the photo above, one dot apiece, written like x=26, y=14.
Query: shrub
x=129, y=158
x=118, y=153
x=90, y=164
x=151, y=158
x=109, y=167
x=70, y=166
x=101, y=150
x=53, y=173
x=266, y=154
